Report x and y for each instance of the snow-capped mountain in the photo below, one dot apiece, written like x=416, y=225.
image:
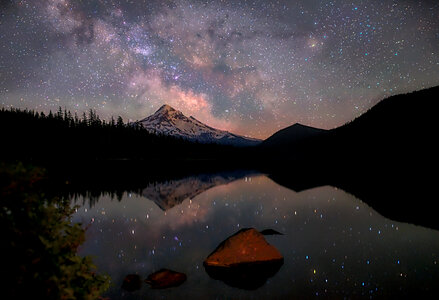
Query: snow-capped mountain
x=170, y=121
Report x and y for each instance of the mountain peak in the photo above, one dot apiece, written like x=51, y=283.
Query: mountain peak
x=169, y=121
x=166, y=108
x=300, y=126
x=292, y=134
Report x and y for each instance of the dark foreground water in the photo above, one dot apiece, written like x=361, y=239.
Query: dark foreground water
x=334, y=244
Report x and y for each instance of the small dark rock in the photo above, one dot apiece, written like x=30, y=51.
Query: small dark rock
x=165, y=278
x=132, y=282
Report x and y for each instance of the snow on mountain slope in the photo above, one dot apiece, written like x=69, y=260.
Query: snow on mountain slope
x=170, y=121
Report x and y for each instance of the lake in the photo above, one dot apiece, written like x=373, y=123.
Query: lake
x=334, y=245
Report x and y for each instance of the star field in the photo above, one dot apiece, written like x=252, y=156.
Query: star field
x=251, y=67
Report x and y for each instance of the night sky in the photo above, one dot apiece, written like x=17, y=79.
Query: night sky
x=251, y=67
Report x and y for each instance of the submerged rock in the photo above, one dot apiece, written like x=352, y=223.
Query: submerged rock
x=165, y=278
x=132, y=282
x=244, y=260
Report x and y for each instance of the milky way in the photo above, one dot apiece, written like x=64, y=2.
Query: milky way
x=251, y=67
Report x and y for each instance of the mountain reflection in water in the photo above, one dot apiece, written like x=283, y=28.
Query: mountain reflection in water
x=334, y=245
x=167, y=194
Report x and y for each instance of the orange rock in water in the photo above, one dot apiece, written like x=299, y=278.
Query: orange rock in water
x=247, y=246
x=245, y=260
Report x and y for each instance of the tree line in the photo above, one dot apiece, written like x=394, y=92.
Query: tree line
x=66, y=118
x=37, y=136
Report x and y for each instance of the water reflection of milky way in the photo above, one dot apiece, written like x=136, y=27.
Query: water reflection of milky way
x=334, y=244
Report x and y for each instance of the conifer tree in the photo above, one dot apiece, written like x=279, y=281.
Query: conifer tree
x=119, y=122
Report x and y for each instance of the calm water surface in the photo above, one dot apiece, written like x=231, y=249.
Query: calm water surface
x=334, y=244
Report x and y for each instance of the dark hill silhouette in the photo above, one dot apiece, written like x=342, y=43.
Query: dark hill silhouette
x=398, y=130
x=291, y=135
x=401, y=129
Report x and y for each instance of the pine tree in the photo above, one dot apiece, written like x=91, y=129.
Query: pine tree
x=119, y=122
x=59, y=113
x=70, y=119
x=91, y=118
